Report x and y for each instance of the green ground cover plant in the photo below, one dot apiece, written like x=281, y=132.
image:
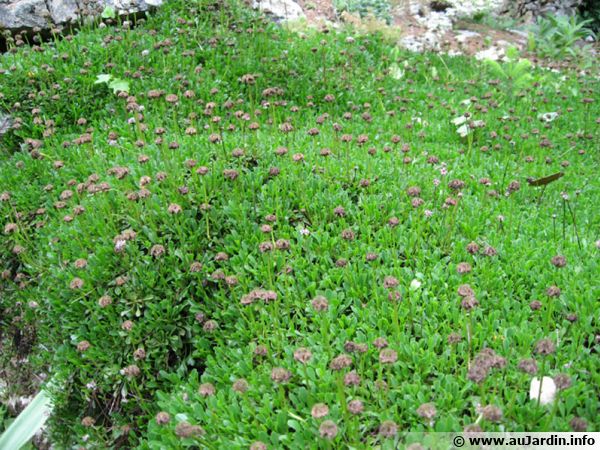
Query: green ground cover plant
x=217, y=233
x=557, y=36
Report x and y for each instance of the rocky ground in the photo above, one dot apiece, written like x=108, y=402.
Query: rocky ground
x=420, y=25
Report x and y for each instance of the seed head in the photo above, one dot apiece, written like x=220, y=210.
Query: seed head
x=559, y=261
x=390, y=282
x=388, y=356
x=76, y=283
x=105, y=301
x=328, y=429
x=352, y=378
x=380, y=342
x=186, y=430
x=388, y=429
x=535, y=305
x=427, y=411
x=464, y=290
x=319, y=410
x=280, y=375
x=162, y=418
x=302, y=355
x=492, y=413
x=545, y=347
x=240, y=386
x=157, y=251
x=463, y=268
x=355, y=407
x=528, y=366
x=562, y=381
x=578, y=424
x=206, y=389
x=340, y=362
x=553, y=291
x=83, y=346
x=320, y=303
x=88, y=421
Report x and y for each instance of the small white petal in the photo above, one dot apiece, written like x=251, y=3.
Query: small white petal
x=415, y=284
x=548, y=390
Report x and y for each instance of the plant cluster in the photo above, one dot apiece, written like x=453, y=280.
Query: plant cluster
x=216, y=233
x=559, y=36
x=380, y=9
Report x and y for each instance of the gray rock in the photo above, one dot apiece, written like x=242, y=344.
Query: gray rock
x=530, y=10
x=25, y=15
x=6, y=123
x=280, y=9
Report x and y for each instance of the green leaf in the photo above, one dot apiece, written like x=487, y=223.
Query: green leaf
x=496, y=68
x=109, y=13
x=118, y=85
x=103, y=78
x=512, y=53
x=27, y=423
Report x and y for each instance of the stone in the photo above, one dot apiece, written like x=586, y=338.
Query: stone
x=530, y=10
x=5, y=124
x=280, y=10
x=25, y=15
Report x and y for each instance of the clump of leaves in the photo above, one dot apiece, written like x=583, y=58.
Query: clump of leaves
x=116, y=84
x=515, y=73
x=557, y=36
x=380, y=9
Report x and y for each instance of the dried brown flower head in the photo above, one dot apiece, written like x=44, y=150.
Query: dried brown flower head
x=319, y=410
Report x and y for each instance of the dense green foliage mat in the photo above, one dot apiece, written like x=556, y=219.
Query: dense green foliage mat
x=216, y=232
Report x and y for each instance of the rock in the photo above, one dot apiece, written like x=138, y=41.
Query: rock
x=283, y=10
x=530, y=10
x=25, y=15
x=6, y=123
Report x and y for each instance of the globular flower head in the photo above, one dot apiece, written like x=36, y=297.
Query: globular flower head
x=492, y=413
x=319, y=303
x=388, y=356
x=427, y=411
x=388, y=429
x=545, y=347
x=162, y=418
x=319, y=410
x=328, y=429
x=280, y=375
x=302, y=355
x=340, y=362
x=355, y=406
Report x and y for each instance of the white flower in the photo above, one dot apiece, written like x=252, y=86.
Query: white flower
x=548, y=390
x=548, y=117
x=415, y=285
x=463, y=130
x=396, y=72
x=304, y=232
x=459, y=120
x=120, y=245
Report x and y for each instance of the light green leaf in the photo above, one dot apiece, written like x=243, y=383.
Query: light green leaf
x=27, y=423
x=495, y=67
x=103, y=78
x=512, y=53
x=109, y=13
x=118, y=85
